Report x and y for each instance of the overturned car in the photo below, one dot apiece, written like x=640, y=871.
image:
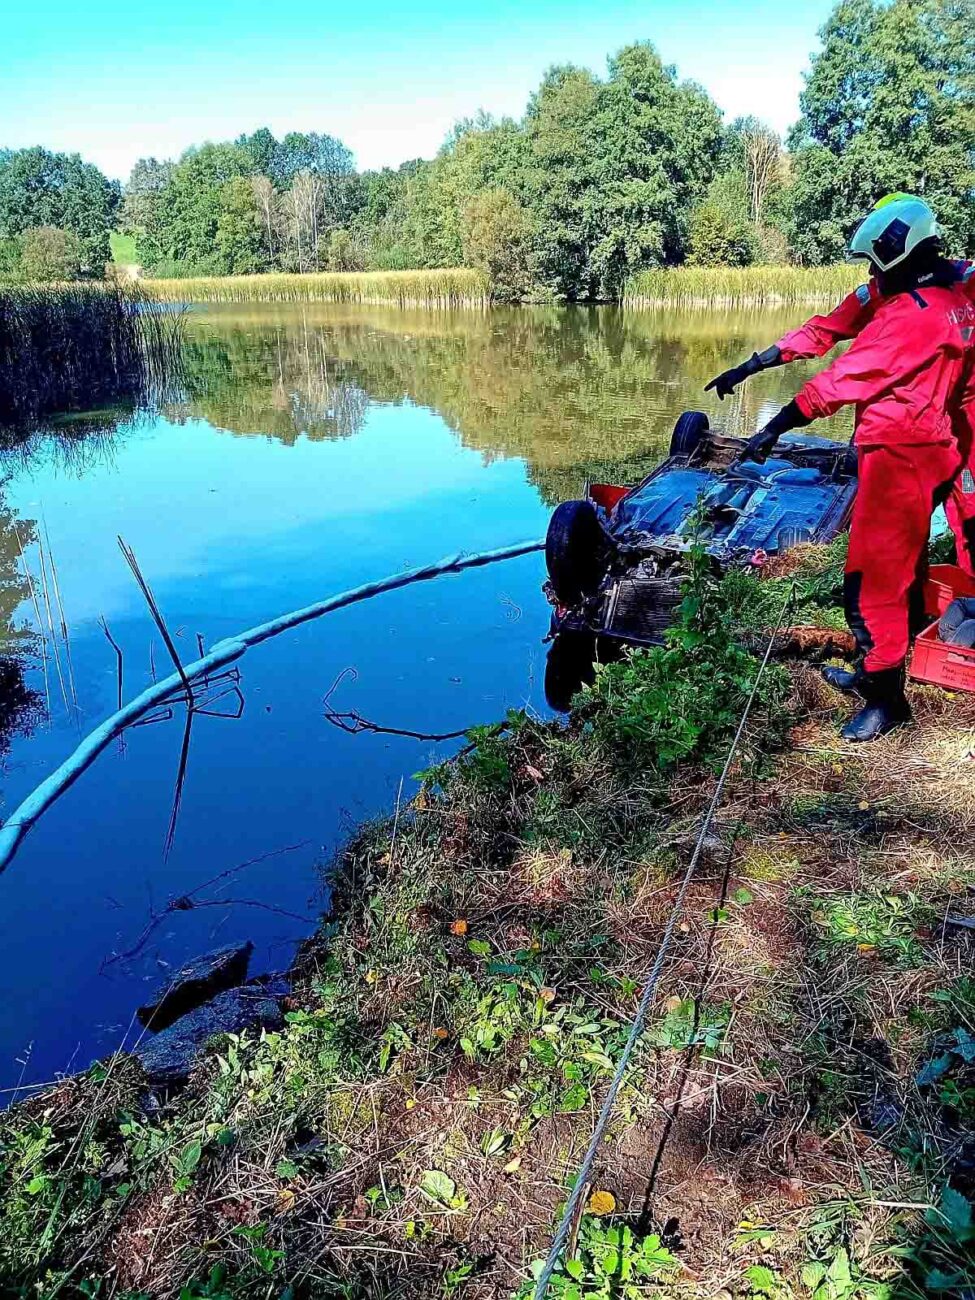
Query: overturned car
x=614, y=557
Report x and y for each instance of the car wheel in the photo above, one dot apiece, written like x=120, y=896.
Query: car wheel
x=689, y=432
x=793, y=535
x=576, y=550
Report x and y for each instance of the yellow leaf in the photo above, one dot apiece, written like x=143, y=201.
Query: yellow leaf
x=837, y=769
x=864, y=805
x=601, y=1203
x=458, y=927
x=420, y=799
x=513, y=1165
x=547, y=995
x=370, y=977
x=866, y=947
x=673, y=1003
x=440, y=1033
x=286, y=1199
x=410, y=1103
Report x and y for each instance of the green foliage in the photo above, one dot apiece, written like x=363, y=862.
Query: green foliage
x=48, y=254
x=496, y=237
x=683, y=700
x=887, y=106
x=43, y=189
x=612, y=1262
x=187, y=212
x=721, y=232
x=614, y=170
x=239, y=234
x=871, y=921
x=139, y=212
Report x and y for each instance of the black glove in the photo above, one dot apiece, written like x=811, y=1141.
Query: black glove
x=726, y=383
x=760, y=445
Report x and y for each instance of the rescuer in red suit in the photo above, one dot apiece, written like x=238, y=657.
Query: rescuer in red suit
x=910, y=373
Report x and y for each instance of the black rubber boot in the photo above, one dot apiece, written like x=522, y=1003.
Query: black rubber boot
x=884, y=709
x=846, y=680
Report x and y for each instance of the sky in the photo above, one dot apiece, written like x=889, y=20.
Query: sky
x=116, y=80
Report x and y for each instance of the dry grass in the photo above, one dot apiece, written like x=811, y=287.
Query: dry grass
x=449, y=288
x=689, y=286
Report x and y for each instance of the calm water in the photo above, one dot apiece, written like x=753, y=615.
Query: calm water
x=315, y=448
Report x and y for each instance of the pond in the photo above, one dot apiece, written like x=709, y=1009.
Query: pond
x=313, y=448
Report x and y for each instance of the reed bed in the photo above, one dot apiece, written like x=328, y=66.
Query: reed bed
x=70, y=348
x=711, y=286
x=447, y=288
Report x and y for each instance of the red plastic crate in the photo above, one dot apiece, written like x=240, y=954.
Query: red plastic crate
x=941, y=664
x=944, y=583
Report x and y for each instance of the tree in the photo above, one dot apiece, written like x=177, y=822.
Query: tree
x=47, y=253
x=889, y=104
x=756, y=150
x=345, y=252
x=40, y=188
x=143, y=189
x=262, y=147
x=240, y=237
x=497, y=240
x=184, y=227
x=268, y=207
x=615, y=169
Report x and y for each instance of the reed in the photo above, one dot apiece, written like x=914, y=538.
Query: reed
x=448, y=288
x=79, y=347
x=711, y=286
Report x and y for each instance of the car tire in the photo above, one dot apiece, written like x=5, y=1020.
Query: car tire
x=793, y=535
x=576, y=551
x=689, y=433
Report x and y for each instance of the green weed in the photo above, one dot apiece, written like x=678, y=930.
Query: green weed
x=611, y=1263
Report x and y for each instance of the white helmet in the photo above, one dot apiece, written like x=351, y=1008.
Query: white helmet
x=892, y=229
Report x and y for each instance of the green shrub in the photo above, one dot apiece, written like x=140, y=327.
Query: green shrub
x=682, y=700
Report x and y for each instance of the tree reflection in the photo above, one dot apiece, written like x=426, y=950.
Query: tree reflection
x=574, y=392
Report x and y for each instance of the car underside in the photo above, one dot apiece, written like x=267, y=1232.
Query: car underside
x=615, y=557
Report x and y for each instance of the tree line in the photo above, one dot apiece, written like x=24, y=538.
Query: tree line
x=600, y=178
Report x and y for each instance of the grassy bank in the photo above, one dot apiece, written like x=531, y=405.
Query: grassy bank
x=78, y=347
x=795, y=1123
x=452, y=287
x=689, y=286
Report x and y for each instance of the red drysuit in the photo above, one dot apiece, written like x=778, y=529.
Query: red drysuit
x=822, y=333
x=909, y=374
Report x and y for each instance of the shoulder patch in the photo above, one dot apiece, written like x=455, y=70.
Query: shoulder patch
x=967, y=271
x=863, y=294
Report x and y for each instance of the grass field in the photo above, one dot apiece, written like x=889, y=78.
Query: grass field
x=707, y=286
x=124, y=251
x=451, y=287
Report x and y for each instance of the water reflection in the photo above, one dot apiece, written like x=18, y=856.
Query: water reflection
x=575, y=393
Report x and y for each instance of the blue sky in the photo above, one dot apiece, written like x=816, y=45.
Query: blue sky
x=116, y=81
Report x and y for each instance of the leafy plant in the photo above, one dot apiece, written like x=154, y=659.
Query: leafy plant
x=611, y=1263
x=682, y=700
